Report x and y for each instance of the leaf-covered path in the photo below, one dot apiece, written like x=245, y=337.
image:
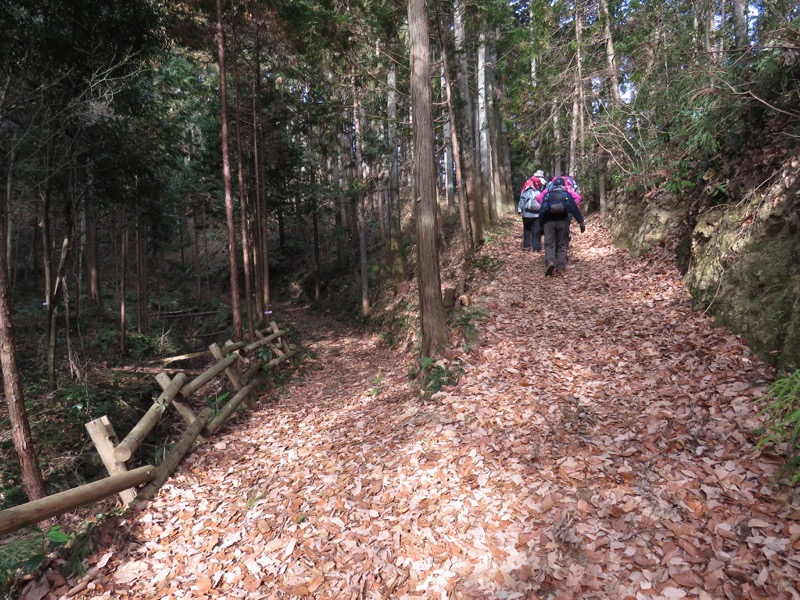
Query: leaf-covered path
x=598, y=445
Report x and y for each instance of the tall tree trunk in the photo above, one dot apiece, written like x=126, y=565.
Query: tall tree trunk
x=141, y=273
x=261, y=226
x=487, y=180
x=463, y=206
x=362, y=222
x=503, y=202
x=398, y=265
x=9, y=205
x=467, y=144
x=432, y=315
x=92, y=254
x=611, y=57
x=556, y=139
x=123, y=288
x=226, y=177
x=741, y=38
x=243, y=208
x=317, y=261
x=12, y=386
x=47, y=260
x=575, y=135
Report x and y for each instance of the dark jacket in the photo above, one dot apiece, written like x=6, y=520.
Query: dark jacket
x=557, y=195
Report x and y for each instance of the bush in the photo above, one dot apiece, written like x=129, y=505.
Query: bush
x=783, y=421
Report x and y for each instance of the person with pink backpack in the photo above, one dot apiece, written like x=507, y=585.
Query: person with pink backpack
x=528, y=207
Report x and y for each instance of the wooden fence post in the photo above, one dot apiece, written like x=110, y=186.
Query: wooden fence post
x=102, y=433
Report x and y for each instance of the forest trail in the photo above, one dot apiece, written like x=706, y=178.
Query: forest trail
x=601, y=447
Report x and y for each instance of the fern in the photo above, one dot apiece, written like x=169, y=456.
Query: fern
x=782, y=408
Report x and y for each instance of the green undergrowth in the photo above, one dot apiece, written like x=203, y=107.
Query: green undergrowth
x=781, y=407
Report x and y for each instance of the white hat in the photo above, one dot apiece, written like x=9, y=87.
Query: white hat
x=539, y=173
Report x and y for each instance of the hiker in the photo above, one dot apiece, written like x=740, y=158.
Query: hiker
x=572, y=187
x=557, y=205
x=569, y=184
x=528, y=207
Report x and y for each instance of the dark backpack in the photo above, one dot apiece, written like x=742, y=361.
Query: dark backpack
x=555, y=202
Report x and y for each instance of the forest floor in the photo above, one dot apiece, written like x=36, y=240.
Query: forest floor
x=599, y=444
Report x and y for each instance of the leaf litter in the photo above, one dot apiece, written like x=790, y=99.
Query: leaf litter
x=600, y=444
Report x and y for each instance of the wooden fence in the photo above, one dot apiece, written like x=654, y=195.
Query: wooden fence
x=176, y=393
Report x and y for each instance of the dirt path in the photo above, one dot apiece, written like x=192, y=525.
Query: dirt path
x=598, y=445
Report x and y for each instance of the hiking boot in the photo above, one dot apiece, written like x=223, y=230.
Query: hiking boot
x=550, y=267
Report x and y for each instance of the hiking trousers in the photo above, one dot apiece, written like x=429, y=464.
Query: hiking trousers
x=531, y=233
x=555, y=243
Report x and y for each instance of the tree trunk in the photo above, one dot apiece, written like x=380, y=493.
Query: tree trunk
x=463, y=207
x=467, y=145
x=502, y=200
x=432, y=315
x=261, y=226
x=123, y=289
x=226, y=177
x=49, y=279
x=398, y=265
x=12, y=383
x=317, y=261
x=741, y=38
x=487, y=180
x=556, y=139
x=362, y=222
x=611, y=57
x=141, y=273
x=575, y=136
x=243, y=208
x=92, y=255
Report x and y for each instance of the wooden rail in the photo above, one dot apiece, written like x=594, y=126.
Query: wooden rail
x=176, y=393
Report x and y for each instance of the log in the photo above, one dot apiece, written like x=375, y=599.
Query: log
x=134, y=439
x=154, y=370
x=172, y=359
x=232, y=376
x=198, y=382
x=231, y=347
x=17, y=517
x=228, y=409
x=258, y=343
x=185, y=313
x=280, y=359
x=173, y=459
x=102, y=433
x=183, y=409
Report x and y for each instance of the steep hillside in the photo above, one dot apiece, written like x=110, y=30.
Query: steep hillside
x=735, y=240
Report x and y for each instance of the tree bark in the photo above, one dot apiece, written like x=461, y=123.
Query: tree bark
x=432, y=315
x=141, y=273
x=611, y=57
x=466, y=140
x=396, y=232
x=12, y=384
x=226, y=177
x=360, y=210
x=740, y=19
x=123, y=289
x=243, y=207
x=463, y=206
x=575, y=135
x=92, y=255
x=487, y=180
x=556, y=139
